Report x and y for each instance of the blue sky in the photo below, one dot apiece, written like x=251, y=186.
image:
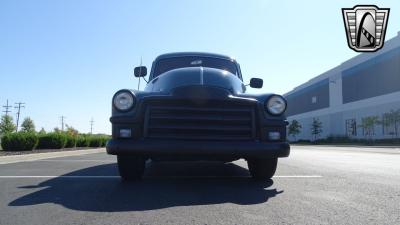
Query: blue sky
x=69, y=57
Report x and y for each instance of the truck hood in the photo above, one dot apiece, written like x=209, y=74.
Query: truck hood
x=195, y=76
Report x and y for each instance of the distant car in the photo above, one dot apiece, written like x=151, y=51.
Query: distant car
x=194, y=107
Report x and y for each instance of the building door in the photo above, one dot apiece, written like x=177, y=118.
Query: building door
x=351, y=127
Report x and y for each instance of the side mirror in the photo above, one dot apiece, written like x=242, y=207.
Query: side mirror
x=140, y=71
x=256, y=82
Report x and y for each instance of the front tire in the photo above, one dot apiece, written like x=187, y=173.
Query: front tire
x=130, y=167
x=262, y=169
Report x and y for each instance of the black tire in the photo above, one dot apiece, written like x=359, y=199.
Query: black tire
x=130, y=167
x=262, y=169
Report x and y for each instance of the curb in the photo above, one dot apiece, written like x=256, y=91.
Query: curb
x=348, y=145
x=392, y=150
x=46, y=155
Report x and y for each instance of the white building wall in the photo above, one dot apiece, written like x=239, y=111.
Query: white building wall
x=334, y=118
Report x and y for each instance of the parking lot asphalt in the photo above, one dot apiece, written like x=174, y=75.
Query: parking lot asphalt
x=315, y=185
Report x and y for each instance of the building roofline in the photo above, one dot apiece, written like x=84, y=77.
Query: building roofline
x=358, y=59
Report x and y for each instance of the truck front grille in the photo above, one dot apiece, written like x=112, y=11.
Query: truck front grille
x=200, y=122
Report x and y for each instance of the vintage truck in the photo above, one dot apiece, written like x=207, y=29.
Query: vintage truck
x=195, y=107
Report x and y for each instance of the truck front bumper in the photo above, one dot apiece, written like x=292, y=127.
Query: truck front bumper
x=157, y=147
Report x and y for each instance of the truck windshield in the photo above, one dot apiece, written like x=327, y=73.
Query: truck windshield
x=167, y=64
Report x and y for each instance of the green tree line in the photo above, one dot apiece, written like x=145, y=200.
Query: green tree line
x=28, y=139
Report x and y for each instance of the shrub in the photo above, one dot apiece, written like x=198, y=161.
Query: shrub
x=95, y=141
x=339, y=139
x=71, y=141
x=388, y=141
x=104, y=141
x=52, y=141
x=303, y=141
x=21, y=141
x=82, y=141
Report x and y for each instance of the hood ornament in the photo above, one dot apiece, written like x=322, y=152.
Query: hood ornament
x=196, y=62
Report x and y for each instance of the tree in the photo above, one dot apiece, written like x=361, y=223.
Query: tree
x=42, y=131
x=28, y=125
x=387, y=121
x=294, y=128
x=7, y=125
x=71, y=131
x=396, y=120
x=316, y=128
x=368, y=125
x=391, y=118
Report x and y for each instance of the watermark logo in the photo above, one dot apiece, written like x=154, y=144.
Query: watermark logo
x=365, y=27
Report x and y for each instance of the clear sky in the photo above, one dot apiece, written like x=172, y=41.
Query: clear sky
x=69, y=57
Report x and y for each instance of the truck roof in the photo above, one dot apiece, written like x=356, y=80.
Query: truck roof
x=204, y=54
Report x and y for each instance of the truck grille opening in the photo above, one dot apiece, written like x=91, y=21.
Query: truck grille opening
x=216, y=122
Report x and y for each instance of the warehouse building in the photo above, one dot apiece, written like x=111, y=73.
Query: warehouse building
x=364, y=88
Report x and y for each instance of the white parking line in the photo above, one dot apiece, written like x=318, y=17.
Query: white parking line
x=165, y=177
x=299, y=176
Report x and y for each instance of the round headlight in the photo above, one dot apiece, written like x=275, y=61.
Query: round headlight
x=275, y=105
x=124, y=100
